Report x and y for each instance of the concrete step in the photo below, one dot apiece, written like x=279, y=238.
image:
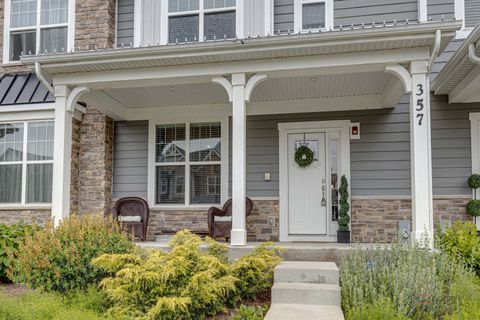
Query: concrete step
x=306, y=293
x=303, y=312
x=306, y=272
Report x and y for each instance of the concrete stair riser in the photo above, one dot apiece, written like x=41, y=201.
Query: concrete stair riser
x=307, y=272
x=306, y=293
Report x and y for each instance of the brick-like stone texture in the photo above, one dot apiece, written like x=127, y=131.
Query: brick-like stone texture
x=196, y=220
x=95, y=163
x=36, y=216
x=94, y=24
x=375, y=220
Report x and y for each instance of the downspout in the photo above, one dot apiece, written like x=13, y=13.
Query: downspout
x=472, y=55
x=436, y=50
x=38, y=72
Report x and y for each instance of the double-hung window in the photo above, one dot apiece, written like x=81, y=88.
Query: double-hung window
x=188, y=164
x=34, y=26
x=313, y=15
x=201, y=20
x=26, y=162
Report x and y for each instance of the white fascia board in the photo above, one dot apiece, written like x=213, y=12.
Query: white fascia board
x=425, y=30
x=342, y=61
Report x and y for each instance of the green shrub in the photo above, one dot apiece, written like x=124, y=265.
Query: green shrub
x=465, y=298
x=51, y=306
x=343, y=217
x=417, y=281
x=250, y=313
x=474, y=181
x=254, y=271
x=10, y=239
x=58, y=259
x=461, y=242
x=186, y=283
x=381, y=309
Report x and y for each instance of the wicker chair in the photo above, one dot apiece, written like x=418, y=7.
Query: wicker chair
x=220, y=220
x=133, y=213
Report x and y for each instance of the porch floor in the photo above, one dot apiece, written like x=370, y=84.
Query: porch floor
x=294, y=251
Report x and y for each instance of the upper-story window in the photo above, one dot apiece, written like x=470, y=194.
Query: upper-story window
x=34, y=26
x=200, y=20
x=313, y=15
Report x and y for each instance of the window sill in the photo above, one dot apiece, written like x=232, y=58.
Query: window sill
x=12, y=64
x=5, y=207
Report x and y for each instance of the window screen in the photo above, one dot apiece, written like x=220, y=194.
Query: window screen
x=183, y=29
x=220, y=25
x=22, y=43
x=53, y=40
x=313, y=16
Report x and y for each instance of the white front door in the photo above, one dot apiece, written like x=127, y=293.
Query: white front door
x=307, y=187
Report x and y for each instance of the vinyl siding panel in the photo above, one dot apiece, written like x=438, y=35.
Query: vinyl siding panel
x=283, y=15
x=130, y=159
x=380, y=160
x=125, y=22
x=438, y=9
x=347, y=12
x=472, y=13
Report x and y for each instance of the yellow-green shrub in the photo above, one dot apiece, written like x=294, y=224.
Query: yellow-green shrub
x=186, y=283
x=461, y=242
x=58, y=259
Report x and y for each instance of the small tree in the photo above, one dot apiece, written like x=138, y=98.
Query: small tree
x=473, y=206
x=343, y=217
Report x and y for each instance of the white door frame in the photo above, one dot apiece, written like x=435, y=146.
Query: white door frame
x=301, y=127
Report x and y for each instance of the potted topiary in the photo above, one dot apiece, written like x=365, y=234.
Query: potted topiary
x=343, y=233
x=473, y=206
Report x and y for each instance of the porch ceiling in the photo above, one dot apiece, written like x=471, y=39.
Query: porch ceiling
x=276, y=89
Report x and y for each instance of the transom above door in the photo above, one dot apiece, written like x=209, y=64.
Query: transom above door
x=309, y=193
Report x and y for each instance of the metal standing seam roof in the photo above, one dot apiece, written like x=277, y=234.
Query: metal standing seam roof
x=23, y=88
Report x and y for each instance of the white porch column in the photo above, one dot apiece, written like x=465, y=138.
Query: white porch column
x=239, y=91
x=421, y=154
x=62, y=155
x=239, y=169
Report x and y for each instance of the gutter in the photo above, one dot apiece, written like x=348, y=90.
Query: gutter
x=356, y=35
x=436, y=49
x=38, y=72
x=472, y=55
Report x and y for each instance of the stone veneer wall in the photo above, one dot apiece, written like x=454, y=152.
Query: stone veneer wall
x=30, y=216
x=95, y=163
x=376, y=220
x=94, y=24
x=196, y=220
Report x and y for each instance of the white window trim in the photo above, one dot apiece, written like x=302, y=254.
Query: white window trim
x=224, y=174
x=475, y=146
x=460, y=15
x=70, y=24
x=24, y=162
x=298, y=15
x=201, y=12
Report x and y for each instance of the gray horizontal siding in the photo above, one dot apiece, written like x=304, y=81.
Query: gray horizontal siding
x=283, y=15
x=380, y=160
x=438, y=9
x=472, y=13
x=347, y=12
x=446, y=55
x=125, y=22
x=130, y=159
x=451, y=150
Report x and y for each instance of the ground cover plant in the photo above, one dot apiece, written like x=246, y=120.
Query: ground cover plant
x=407, y=282
x=58, y=258
x=186, y=283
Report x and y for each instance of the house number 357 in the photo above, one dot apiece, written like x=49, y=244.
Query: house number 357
x=419, y=107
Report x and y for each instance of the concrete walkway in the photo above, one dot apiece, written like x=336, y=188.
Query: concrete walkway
x=306, y=290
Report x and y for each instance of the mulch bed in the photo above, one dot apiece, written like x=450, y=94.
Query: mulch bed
x=12, y=289
x=263, y=299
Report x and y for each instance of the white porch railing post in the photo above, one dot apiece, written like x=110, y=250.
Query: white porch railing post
x=62, y=155
x=421, y=154
x=239, y=120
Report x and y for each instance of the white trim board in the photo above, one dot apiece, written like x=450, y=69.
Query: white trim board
x=475, y=145
x=313, y=126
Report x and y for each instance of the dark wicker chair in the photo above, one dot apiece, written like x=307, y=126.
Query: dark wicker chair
x=223, y=226
x=133, y=207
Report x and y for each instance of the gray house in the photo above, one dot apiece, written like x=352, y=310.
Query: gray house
x=187, y=103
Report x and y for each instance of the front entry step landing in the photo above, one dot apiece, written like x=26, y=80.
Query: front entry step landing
x=305, y=290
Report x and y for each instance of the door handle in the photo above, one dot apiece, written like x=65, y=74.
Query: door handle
x=324, y=202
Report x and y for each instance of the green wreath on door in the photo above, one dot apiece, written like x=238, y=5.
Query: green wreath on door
x=304, y=156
